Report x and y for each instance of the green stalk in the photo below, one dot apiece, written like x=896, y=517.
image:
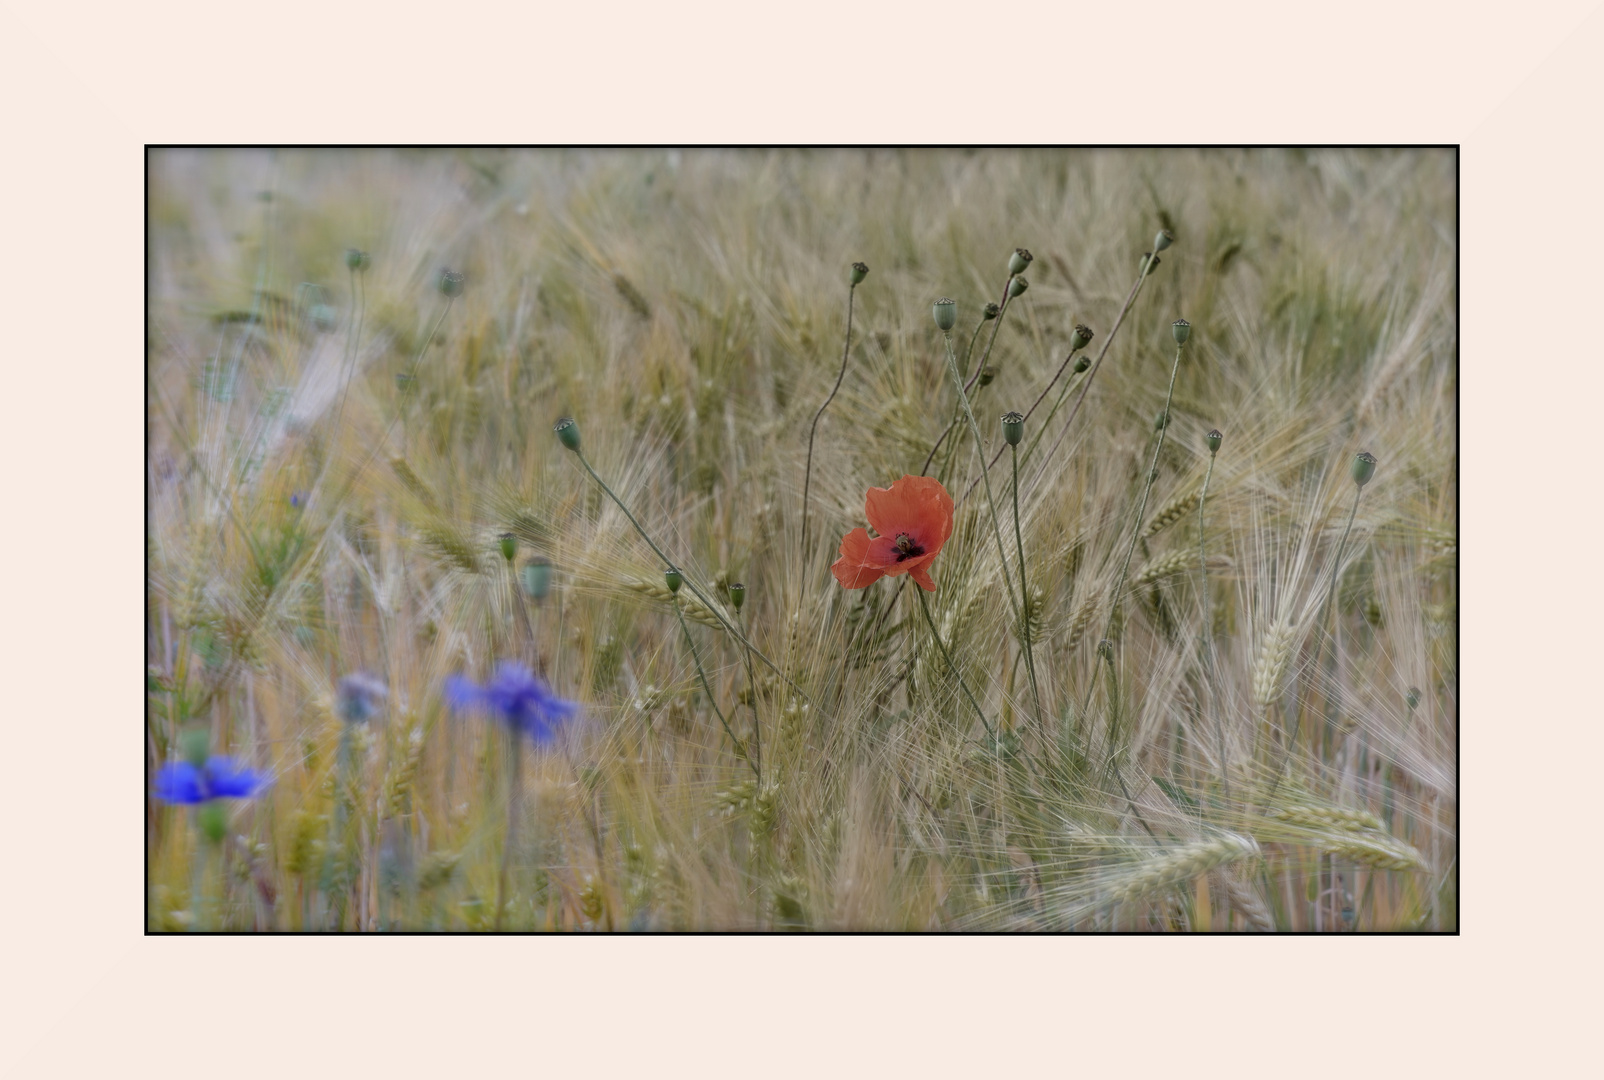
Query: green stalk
x=1141, y=507
x=757, y=727
x=1208, y=629
x=669, y=563
x=514, y=791
x=700, y=674
x=934, y=633
x=974, y=430
x=807, y=475
x=1024, y=597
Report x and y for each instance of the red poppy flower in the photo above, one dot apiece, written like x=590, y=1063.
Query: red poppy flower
x=914, y=518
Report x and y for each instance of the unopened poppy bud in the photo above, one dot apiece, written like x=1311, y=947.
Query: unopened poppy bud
x=1080, y=338
x=1213, y=439
x=1017, y=287
x=537, y=578
x=987, y=374
x=1018, y=261
x=196, y=745
x=674, y=579
x=990, y=311
x=946, y=313
x=1105, y=649
x=1364, y=467
x=1413, y=697
x=1082, y=364
x=1182, y=330
x=737, y=595
x=450, y=283
x=1161, y=421
x=1013, y=425
x=859, y=272
x=213, y=822
x=568, y=432
x=1163, y=240
x=509, y=546
x=356, y=259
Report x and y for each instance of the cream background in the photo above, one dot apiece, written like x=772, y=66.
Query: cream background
x=83, y=993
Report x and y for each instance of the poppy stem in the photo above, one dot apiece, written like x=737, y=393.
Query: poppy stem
x=925, y=468
x=757, y=727
x=1208, y=629
x=807, y=475
x=700, y=674
x=669, y=563
x=974, y=429
x=1024, y=599
x=1141, y=506
x=934, y=633
x=354, y=347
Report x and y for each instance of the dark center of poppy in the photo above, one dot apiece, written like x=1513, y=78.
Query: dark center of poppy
x=906, y=548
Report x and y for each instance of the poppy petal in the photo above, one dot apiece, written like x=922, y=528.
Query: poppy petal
x=852, y=569
x=921, y=575
x=916, y=505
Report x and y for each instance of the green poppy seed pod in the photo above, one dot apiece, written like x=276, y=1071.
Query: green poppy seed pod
x=568, y=431
x=450, y=283
x=196, y=745
x=1163, y=240
x=1013, y=425
x=859, y=272
x=1017, y=287
x=1105, y=649
x=737, y=595
x=323, y=316
x=213, y=822
x=1182, y=330
x=674, y=579
x=1080, y=338
x=946, y=313
x=990, y=311
x=1413, y=697
x=1213, y=439
x=537, y=578
x=1018, y=261
x=1082, y=364
x=1161, y=421
x=1364, y=467
x=356, y=259
x=1148, y=256
x=987, y=374
x=509, y=546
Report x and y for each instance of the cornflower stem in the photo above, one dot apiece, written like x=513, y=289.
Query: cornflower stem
x=947, y=656
x=1119, y=321
x=807, y=475
x=1024, y=599
x=1141, y=506
x=689, y=584
x=974, y=430
x=514, y=798
x=700, y=674
x=197, y=874
x=1208, y=630
x=1325, y=608
x=757, y=727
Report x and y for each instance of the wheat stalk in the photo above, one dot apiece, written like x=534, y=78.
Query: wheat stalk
x=1174, y=510
x=694, y=609
x=1183, y=864
x=1272, y=662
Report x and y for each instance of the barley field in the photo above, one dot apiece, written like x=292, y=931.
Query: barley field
x=502, y=508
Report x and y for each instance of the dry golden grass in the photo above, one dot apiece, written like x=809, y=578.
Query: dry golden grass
x=688, y=310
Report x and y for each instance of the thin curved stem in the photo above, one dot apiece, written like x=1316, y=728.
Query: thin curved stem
x=1208, y=630
x=807, y=475
x=757, y=726
x=700, y=674
x=974, y=430
x=667, y=562
x=1141, y=507
x=934, y=633
x=514, y=793
x=969, y=380
x=356, y=347
x=1024, y=599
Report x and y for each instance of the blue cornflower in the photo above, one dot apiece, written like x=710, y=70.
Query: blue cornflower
x=220, y=778
x=298, y=499
x=517, y=697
